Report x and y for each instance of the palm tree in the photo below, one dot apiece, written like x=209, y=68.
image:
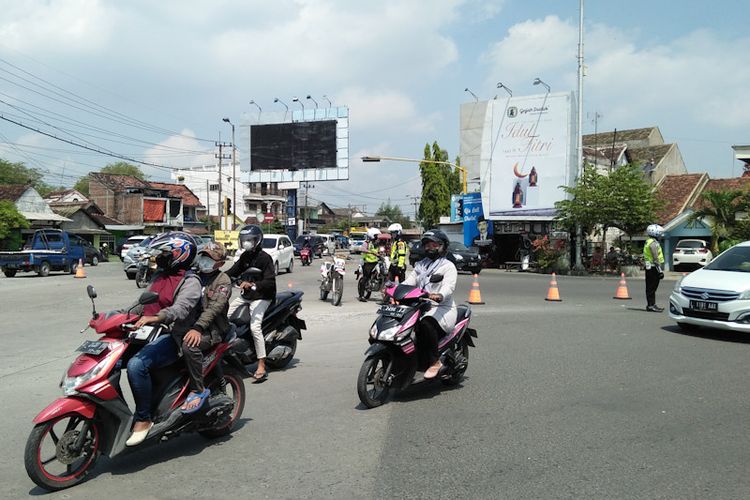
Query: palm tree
x=721, y=207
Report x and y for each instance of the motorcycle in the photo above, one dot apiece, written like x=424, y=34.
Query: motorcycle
x=333, y=280
x=92, y=417
x=392, y=360
x=305, y=255
x=377, y=279
x=281, y=326
x=146, y=269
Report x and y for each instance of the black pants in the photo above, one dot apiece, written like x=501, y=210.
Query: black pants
x=652, y=283
x=193, y=357
x=428, y=336
x=397, y=271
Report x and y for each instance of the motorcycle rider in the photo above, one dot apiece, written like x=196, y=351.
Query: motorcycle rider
x=257, y=293
x=212, y=323
x=442, y=318
x=369, y=256
x=307, y=243
x=179, y=292
x=398, y=253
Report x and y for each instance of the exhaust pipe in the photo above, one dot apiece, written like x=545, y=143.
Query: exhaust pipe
x=279, y=352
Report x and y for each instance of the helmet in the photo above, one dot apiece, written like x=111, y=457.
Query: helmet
x=395, y=230
x=373, y=233
x=215, y=250
x=655, y=231
x=251, y=237
x=174, y=250
x=437, y=236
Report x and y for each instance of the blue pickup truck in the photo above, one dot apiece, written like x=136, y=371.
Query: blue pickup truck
x=48, y=250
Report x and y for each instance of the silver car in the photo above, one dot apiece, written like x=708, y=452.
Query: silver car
x=130, y=261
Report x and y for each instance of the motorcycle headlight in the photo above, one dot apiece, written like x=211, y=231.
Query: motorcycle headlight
x=388, y=333
x=70, y=385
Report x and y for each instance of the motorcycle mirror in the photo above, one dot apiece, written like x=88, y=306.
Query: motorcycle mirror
x=148, y=298
x=91, y=291
x=436, y=278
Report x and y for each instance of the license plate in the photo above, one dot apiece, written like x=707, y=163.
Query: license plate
x=688, y=252
x=700, y=305
x=94, y=347
x=391, y=311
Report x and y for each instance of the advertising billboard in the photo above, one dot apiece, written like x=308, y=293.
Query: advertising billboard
x=477, y=231
x=529, y=153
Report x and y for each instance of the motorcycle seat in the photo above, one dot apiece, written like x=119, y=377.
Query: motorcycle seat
x=463, y=312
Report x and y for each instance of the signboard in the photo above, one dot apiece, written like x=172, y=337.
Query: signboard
x=477, y=230
x=457, y=208
x=268, y=218
x=529, y=151
x=291, y=221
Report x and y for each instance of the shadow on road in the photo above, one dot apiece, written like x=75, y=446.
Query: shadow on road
x=710, y=334
x=424, y=389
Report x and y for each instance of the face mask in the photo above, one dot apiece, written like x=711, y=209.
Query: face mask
x=247, y=245
x=205, y=263
x=163, y=261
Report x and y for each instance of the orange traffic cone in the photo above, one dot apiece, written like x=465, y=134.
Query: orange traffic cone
x=622, y=289
x=80, y=273
x=475, y=296
x=553, y=294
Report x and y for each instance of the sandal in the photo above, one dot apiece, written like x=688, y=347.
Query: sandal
x=192, y=397
x=259, y=378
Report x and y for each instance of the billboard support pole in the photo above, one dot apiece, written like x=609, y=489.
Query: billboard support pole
x=579, y=157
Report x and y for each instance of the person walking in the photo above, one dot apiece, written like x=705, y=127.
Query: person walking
x=653, y=258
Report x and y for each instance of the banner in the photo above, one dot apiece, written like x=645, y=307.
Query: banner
x=457, y=208
x=477, y=230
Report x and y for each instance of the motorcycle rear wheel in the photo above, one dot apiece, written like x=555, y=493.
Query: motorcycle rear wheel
x=364, y=292
x=140, y=280
x=338, y=290
x=281, y=363
x=52, y=463
x=457, y=376
x=236, y=385
x=371, y=389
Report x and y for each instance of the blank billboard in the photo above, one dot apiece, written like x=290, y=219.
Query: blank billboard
x=293, y=146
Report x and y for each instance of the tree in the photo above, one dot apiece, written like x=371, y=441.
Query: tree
x=10, y=219
x=439, y=181
x=393, y=213
x=18, y=173
x=721, y=207
x=119, y=168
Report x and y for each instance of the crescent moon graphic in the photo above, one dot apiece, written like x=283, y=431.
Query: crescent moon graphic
x=517, y=173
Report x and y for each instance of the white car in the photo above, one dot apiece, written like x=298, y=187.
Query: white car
x=133, y=240
x=694, y=252
x=280, y=248
x=357, y=242
x=329, y=244
x=716, y=296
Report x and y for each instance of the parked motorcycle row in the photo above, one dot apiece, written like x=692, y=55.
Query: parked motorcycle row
x=92, y=418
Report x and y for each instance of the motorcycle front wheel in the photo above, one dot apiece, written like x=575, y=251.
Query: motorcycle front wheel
x=323, y=291
x=338, y=290
x=362, y=289
x=52, y=457
x=140, y=280
x=371, y=388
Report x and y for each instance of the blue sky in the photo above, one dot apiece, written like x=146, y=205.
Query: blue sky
x=401, y=67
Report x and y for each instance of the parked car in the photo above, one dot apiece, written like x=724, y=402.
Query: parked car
x=281, y=250
x=133, y=240
x=691, y=252
x=93, y=255
x=317, y=244
x=329, y=244
x=465, y=259
x=133, y=256
x=48, y=250
x=357, y=242
x=717, y=295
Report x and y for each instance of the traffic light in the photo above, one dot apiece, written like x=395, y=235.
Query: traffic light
x=227, y=207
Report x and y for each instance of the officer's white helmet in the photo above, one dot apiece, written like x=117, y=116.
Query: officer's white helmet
x=395, y=229
x=373, y=233
x=655, y=231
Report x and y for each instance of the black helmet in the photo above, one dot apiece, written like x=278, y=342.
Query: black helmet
x=437, y=236
x=251, y=237
x=174, y=250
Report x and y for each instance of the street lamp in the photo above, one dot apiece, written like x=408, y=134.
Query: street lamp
x=260, y=110
x=313, y=100
x=234, y=172
x=296, y=99
x=276, y=99
x=472, y=94
x=330, y=105
x=538, y=81
x=501, y=86
x=377, y=159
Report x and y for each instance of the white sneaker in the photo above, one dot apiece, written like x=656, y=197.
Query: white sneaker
x=138, y=437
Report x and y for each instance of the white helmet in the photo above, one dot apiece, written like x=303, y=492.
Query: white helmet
x=655, y=231
x=373, y=233
x=395, y=229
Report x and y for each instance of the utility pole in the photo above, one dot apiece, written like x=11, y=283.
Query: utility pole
x=416, y=209
x=208, y=205
x=350, y=218
x=307, y=211
x=221, y=156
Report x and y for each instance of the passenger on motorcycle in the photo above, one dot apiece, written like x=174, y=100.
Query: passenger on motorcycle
x=370, y=256
x=441, y=318
x=179, y=292
x=398, y=253
x=212, y=323
x=258, y=293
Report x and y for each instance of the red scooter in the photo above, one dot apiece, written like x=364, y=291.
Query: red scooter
x=93, y=418
x=305, y=255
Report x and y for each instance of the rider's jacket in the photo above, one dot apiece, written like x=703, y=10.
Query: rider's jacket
x=371, y=253
x=445, y=313
x=398, y=253
x=265, y=287
x=213, y=321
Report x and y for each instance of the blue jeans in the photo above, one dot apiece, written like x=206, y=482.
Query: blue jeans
x=159, y=353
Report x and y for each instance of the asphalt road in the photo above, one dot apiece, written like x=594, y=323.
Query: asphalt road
x=586, y=398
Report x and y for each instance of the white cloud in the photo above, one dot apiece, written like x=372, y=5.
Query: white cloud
x=386, y=109
x=180, y=151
